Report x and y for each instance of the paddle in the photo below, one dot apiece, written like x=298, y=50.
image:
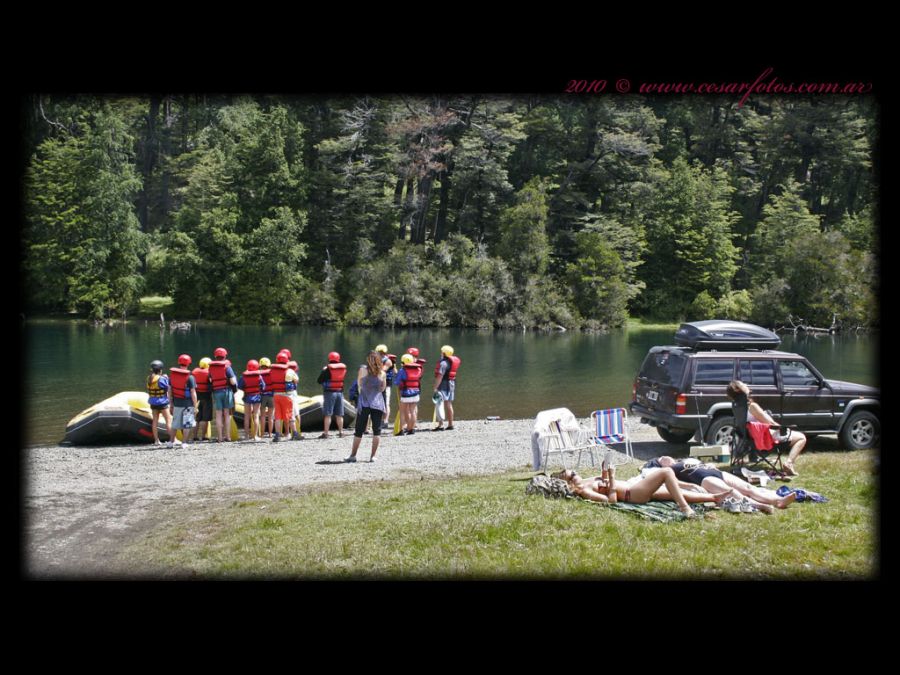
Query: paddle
x=397, y=420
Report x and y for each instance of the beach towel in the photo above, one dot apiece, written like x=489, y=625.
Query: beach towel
x=663, y=512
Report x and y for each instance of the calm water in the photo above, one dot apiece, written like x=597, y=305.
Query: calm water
x=511, y=375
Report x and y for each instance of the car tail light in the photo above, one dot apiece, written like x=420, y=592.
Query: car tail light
x=681, y=404
x=634, y=390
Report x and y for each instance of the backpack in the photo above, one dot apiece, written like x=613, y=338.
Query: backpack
x=542, y=484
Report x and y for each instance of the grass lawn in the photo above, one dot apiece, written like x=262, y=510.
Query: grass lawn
x=637, y=324
x=487, y=527
x=154, y=304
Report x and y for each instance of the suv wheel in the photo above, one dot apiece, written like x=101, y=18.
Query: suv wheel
x=675, y=435
x=862, y=430
x=720, y=431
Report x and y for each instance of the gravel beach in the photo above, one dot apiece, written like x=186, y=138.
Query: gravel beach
x=83, y=504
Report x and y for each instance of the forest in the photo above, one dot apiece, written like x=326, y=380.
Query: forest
x=452, y=210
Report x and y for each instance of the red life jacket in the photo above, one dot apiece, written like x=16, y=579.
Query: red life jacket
x=251, y=382
x=276, y=377
x=336, y=373
x=451, y=371
x=178, y=378
x=413, y=376
x=267, y=378
x=201, y=375
x=217, y=375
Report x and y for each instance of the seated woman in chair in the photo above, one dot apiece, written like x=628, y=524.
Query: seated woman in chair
x=637, y=490
x=739, y=392
x=712, y=480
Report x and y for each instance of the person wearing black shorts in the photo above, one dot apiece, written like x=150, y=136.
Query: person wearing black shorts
x=204, y=398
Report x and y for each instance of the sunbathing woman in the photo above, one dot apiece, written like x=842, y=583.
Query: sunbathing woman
x=712, y=480
x=636, y=490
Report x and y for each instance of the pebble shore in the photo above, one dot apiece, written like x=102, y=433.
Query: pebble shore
x=82, y=503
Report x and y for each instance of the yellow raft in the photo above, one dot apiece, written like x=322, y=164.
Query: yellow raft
x=125, y=418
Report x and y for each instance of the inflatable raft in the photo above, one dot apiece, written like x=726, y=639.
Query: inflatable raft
x=125, y=418
x=310, y=410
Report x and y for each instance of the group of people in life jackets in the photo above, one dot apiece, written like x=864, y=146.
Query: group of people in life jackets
x=189, y=399
x=408, y=380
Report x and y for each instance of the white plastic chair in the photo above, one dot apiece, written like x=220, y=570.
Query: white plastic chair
x=557, y=431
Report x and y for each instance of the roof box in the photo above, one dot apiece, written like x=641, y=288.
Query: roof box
x=720, y=334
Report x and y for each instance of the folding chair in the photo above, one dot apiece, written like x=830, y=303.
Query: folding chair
x=744, y=451
x=611, y=427
x=557, y=431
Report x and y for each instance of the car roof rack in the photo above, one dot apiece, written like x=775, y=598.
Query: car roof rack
x=722, y=334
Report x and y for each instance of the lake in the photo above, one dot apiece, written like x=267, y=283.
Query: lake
x=73, y=365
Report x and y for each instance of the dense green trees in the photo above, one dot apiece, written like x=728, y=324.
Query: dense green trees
x=84, y=246
x=453, y=210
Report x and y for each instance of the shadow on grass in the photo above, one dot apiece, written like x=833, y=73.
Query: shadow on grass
x=644, y=450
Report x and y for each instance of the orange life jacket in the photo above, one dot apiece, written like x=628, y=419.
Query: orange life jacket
x=251, y=382
x=217, y=375
x=336, y=373
x=413, y=377
x=178, y=378
x=201, y=375
x=276, y=377
x=451, y=371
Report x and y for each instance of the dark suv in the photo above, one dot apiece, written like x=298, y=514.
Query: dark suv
x=681, y=389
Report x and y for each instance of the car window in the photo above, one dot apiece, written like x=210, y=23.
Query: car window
x=663, y=367
x=714, y=371
x=796, y=374
x=760, y=373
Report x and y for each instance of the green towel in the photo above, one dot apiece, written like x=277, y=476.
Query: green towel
x=663, y=512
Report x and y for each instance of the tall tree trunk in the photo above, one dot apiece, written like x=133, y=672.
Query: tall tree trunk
x=166, y=152
x=151, y=155
x=408, y=209
x=440, y=226
x=422, y=202
x=184, y=123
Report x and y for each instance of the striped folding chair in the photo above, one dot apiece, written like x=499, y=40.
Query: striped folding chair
x=612, y=428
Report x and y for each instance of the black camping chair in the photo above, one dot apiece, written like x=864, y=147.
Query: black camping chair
x=744, y=451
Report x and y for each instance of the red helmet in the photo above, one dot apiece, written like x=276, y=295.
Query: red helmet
x=252, y=364
x=220, y=352
x=333, y=357
x=293, y=365
x=282, y=357
x=414, y=351
x=287, y=351
x=184, y=360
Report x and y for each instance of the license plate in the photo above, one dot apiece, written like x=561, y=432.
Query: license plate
x=652, y=395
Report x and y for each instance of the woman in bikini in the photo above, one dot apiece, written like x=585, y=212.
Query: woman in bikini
x=712, y=479
x=661, y=485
